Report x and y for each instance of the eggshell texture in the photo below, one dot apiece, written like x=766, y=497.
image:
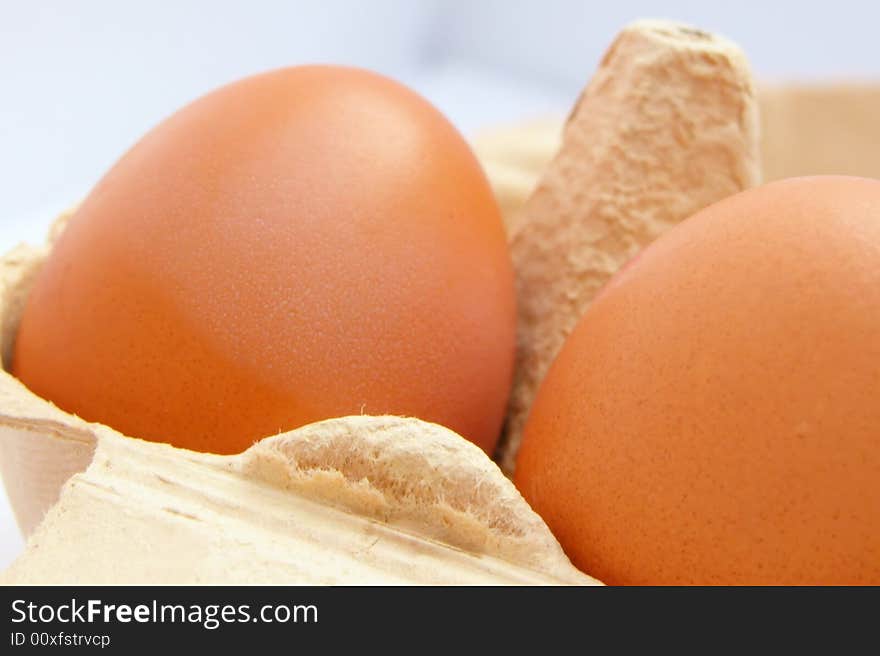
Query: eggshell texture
x=715, y=416
x=306, y=243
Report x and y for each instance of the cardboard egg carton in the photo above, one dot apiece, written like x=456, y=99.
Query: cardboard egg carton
x=411, y=502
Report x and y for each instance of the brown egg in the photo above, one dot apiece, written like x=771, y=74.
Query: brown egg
x=715, y=416
x=307, y=243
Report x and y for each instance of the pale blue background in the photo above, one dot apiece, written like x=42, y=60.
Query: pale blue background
x=81, y=80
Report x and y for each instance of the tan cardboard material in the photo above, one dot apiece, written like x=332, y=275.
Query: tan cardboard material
x=667, y=126
x=397, y=500
x=355, y=500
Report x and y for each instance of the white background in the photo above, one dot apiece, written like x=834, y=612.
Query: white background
x=81, y=80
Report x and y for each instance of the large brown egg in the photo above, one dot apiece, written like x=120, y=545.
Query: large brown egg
x=715, y=416
x=307, y=243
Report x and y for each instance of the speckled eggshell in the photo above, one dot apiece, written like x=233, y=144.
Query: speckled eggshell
x=307, y=243
x=715, y=416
